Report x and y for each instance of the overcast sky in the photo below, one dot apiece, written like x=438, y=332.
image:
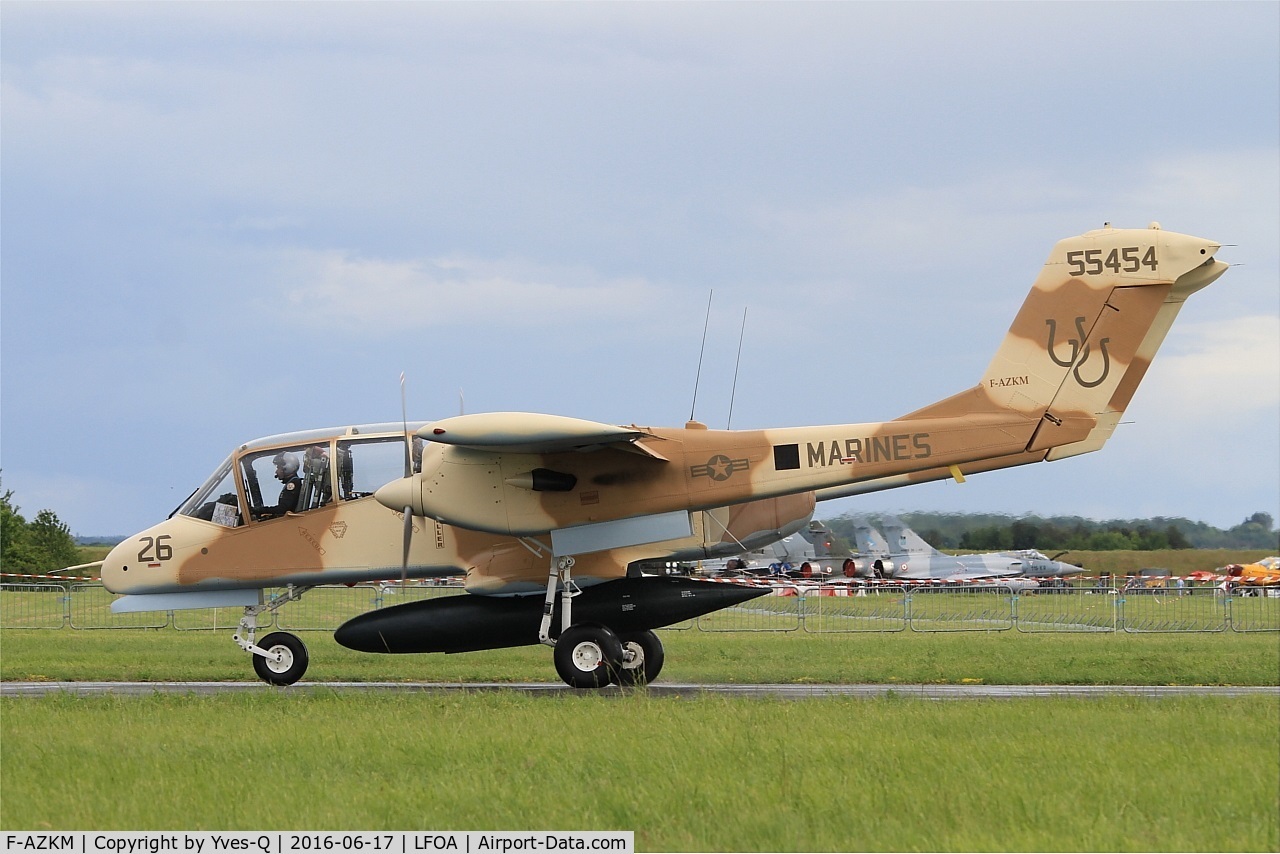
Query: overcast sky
x=223, y=221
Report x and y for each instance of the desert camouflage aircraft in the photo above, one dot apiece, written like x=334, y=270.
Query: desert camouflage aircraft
x=225, y=544
x=568, y=490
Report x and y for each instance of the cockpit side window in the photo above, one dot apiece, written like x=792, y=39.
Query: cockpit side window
x=366, y=464
x=216, y=500
x=303, y=473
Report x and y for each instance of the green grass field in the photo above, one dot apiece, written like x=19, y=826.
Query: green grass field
x=713, y=774
x=1007, y=657
x=705, y=774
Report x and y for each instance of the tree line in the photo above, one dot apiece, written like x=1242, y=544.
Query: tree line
x=40, y=545
x=997, y=532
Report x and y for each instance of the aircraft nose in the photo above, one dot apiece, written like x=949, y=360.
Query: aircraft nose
x=399, y=494
x=114, y=572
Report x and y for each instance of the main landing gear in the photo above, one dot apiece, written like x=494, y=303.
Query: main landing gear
x=588, y=655
x=282, y=658
x=591, y=655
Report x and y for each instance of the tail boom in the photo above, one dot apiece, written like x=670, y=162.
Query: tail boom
x=1057, y=386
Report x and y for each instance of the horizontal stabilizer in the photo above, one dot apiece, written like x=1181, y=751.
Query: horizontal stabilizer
x=526, y=432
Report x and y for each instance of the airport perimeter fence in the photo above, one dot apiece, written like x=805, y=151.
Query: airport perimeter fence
x=816, y=609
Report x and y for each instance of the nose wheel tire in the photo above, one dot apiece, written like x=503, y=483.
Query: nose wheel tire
x=645, y=661
x=287, y=660
x=588, y=655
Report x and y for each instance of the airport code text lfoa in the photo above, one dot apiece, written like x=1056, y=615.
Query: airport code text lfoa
x=300, y=842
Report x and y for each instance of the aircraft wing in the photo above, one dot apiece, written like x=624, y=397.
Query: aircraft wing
x=533, y=433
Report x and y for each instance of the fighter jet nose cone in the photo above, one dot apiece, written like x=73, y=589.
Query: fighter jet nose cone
x=399, y=494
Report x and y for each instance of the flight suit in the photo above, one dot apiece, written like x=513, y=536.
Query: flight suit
x=288, y=500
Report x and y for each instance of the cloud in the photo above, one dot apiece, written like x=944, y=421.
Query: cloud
x=923, y=226
x=1223, y=370
x=333, y=289
x=1214, y=189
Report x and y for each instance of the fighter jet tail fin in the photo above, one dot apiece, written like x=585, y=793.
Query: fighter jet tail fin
x=903, y=540
x=868, y=540
x=1086, y=335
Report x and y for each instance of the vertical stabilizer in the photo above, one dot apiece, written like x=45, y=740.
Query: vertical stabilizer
x=1086, y=335
x=904, y=540
x=868, y=540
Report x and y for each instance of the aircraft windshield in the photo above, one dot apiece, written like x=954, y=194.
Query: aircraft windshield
x=298, y=478
x=216, y=500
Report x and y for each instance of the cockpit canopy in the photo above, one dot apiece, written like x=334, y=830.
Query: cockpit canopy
x=302, y=472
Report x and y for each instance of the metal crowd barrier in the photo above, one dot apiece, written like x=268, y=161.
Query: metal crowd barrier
x=1258, y=611
x=782, y=610
x=34, y=606
x=838, y=610
x=1069, y=609
x=966, y=608
x=90, y=608
x=1160, y=609
x=326, y=608
x=815, y=609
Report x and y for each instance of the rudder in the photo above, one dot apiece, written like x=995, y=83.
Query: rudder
x=1087, y=333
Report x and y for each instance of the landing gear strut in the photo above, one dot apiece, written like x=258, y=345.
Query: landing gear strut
x=590, y=655
x=282, y=658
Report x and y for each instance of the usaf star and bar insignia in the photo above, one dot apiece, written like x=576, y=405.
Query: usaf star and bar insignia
x=720, y=467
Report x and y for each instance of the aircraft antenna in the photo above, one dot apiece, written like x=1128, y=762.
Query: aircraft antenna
x=404, y=424
x=734, y=389
x=698, y=376
x=408, y=472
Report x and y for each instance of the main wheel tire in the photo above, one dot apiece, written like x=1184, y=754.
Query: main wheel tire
x=588, y=655
x=647, y=658
x=293, y=659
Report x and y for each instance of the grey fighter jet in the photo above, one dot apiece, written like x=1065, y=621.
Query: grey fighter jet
x=913, y=558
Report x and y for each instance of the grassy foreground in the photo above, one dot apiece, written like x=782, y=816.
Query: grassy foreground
x=705, y=774
x=1008, y=657
x=1184, y=774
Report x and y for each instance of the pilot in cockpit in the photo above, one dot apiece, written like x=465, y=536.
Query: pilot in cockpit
x=287, y=474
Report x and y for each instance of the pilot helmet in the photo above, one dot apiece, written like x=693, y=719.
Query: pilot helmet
x=288, y=462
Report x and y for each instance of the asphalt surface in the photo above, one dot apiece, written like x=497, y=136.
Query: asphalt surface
x=662, y=689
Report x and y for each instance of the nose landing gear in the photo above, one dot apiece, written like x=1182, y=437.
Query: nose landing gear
x=286, y=659
x=282, y=658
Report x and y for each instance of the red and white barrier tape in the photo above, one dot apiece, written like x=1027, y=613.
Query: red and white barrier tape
x=26, y=577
